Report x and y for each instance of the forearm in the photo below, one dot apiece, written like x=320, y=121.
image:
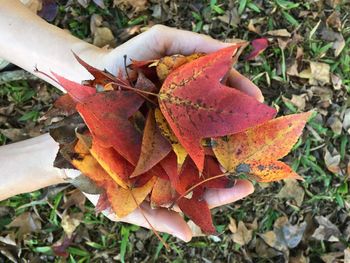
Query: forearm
x=28, y=41
x=28, y=165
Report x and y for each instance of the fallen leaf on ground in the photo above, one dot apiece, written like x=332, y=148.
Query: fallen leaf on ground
x=284, y=236
x=332, y=162
x=279, y=33
x=326, y=231
x=292, y=190
x=103, y=36
x=335, y=124
x=70, y=222
x=259, y=45
x=320, y=73
x=242, y=235
x=26, y=222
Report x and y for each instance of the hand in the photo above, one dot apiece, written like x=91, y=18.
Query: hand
x=161, y=41
x=155, y=43
x=49, y=48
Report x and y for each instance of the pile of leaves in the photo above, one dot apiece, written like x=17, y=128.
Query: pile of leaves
x=168, y=132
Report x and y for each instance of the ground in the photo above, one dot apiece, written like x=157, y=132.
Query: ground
x=306, y=66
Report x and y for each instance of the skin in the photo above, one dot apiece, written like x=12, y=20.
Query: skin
x=28, y=41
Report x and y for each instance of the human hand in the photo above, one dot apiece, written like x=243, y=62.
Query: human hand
x=162, y=41
x=156, y=43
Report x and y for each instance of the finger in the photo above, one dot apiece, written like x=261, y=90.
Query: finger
x=161, y=40
x=175, y=41
x=162, y=220
x=219, y=197
x=238, y=81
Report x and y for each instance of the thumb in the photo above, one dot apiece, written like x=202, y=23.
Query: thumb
x=219, y=197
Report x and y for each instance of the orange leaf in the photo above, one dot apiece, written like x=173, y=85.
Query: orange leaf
x=122, y=200
x=264, y=143
x=162, y=194
x=87, y=164
x=269, y=171
x=113, y=163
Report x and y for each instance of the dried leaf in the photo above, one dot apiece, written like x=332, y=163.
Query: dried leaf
x=292, y=190
x=242, y=236
x=320, y=73
x=103, y=36
x=335, y=124
x=279, y=33
x=86, y=185
x=70, y=222
x=334, y=20
x=326, y=231
x=27, y=222
x=332, y=162
x=49, y=10
x=284, y=236
x=346, y=121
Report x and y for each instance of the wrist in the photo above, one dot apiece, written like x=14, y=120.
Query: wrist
x=28, y=166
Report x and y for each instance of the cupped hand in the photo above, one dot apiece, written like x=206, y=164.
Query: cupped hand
x=155, y=43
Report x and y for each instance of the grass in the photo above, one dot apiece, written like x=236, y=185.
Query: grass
x=326, y=194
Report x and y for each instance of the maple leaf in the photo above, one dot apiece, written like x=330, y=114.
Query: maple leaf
x=124, y=201
x=162, y=194
x=166, y=131
x=259, y=45
x=77, y=91
x=256, y=150
x=154, y=146
x=107, y=116
x=198, y=211
x=197, y=105
x=100, y=77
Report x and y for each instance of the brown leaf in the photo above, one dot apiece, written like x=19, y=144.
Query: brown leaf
x=242, y=236
x=103, y=36
x=292, y=190
x=27, y=222
x=346, y=121
x=332, y=162
x=133, y=7
x=279, y=33
x=70, y=222
x=334, y=20
x=320, y=73
x=285, y=235
x=326, y=230
x=335, y=124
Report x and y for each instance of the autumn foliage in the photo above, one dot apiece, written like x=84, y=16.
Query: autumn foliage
x=169, y=132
